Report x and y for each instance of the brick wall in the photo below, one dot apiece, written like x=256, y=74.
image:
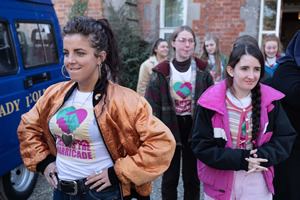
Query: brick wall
x=221, y=18
x=145, y=24
x=63, y=7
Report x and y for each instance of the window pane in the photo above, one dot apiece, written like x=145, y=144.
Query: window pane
x=37, y=43
x=270, y=9
x=7, y=58
x=167, y=36
x=173, y=13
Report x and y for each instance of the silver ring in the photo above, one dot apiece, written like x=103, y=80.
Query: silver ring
x=50, y=174
x=98, y=172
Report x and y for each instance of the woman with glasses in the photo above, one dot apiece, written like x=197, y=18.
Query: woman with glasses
x=172, y=91
x=217, y=60
x=158, y=53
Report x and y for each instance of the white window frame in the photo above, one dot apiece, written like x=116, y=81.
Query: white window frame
x=277, y=26
x=163, y=30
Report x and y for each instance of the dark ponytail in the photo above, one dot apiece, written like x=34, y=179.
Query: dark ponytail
x=101, y=38
x=256, y=109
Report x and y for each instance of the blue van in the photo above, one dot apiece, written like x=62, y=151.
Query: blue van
x=30, y=60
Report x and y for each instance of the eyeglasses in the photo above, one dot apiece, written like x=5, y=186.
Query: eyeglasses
x=184, y=41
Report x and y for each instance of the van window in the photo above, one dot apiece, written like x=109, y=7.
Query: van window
x=7, y=56
x=37, y=43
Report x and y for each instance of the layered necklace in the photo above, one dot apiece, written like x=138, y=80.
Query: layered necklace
x=69, y=138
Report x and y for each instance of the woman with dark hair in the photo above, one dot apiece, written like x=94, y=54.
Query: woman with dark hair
x=92, y=138
x=245, y=39
x=211, y=52
x=158, y=53
x=241, y=131
x=248, y=39
x=172, y=91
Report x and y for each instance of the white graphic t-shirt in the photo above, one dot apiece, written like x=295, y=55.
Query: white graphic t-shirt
x=181, y=87
x=88, y=152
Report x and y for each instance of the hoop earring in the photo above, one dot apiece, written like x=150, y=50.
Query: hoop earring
x=100, y=67
x=63, y=71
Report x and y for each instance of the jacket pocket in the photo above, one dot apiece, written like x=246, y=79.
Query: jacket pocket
x=214, y=177
x=214, y=192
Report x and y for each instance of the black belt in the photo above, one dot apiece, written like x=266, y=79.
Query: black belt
x=73, y=187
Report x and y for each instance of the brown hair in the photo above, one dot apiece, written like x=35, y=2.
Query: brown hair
x=179, y=30
x=155, y=45
x=271, y=37
x=217, y=53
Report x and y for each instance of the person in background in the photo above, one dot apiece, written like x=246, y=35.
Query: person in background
x=172, y=91
x=92, y=138
x=271, y=50
x=248, y=39
x=286, y=79
x=245, y=39
x=241, y=131
x=158, y=53
x=217, y=61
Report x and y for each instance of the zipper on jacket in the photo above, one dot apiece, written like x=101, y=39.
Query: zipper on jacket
x=120, y=184
x=68, y=94
x=51, y=118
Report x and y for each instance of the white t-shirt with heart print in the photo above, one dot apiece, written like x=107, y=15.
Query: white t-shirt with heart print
x=87, y=153
x=181, y=87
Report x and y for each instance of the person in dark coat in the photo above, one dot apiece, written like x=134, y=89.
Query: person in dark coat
x=286, y=79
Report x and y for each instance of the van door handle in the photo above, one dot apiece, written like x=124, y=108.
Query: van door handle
x=29, y=81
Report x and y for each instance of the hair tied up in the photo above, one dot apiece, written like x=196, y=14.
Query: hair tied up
x=103, y=21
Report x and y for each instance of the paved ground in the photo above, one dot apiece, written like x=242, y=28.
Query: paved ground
x=44, y=191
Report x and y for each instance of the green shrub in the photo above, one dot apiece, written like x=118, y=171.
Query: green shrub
x=78, y=8
x=134, y=51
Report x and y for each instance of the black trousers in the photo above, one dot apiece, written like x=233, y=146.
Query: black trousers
x=134, y=194
x=287, y=178
x=170, y=178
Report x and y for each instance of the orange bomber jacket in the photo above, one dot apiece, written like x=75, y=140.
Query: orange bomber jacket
x=141, y=146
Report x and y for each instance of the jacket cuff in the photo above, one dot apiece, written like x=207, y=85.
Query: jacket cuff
x=42, y=165
x=113, y=178
x=244, y=163
x=263, y=164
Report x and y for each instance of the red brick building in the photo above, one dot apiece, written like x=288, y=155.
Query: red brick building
x=227, y=19
x=63, y=8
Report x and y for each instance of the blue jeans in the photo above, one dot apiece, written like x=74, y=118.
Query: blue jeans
x=110, y=193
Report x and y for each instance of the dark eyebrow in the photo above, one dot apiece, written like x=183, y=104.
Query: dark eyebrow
x=80, y=49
